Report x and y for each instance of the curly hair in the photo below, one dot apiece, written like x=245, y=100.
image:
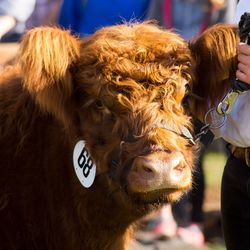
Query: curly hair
x=151, y=65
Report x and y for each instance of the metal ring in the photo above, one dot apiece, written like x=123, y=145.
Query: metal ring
x=213, y=125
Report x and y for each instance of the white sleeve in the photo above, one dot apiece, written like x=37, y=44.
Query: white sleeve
x=242, y=7
x=19, y=9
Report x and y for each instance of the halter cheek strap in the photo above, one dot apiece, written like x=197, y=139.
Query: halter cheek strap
x=185, y=133
x=116, y=156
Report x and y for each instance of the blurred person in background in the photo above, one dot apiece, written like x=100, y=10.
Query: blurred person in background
x=13, y=16
x=16, y=16
x=189, y=18
x=46, y=12
x=226, y=13
x=84, y=17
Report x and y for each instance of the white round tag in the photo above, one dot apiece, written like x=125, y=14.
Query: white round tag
x=84, y=166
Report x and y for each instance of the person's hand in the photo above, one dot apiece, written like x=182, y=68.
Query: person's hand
x=6, y=24
x=218, y=4
x=243, y=72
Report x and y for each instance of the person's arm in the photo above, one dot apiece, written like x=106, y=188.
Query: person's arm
x=243, y=72
x=218, y=4
x=14, y=11
x=6, y=24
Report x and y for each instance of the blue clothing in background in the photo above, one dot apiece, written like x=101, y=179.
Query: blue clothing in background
x=190, y=18
x=187, y=17
x=86, y=16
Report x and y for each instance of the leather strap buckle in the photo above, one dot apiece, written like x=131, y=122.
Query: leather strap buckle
x=241, y=153
x=247, y=156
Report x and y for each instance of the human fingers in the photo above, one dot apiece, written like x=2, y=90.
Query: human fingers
x=244, y=59
x=243, y=48
x=244, y=77
x=243, y=68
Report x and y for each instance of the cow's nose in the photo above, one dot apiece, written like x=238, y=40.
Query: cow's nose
x=144, y=168
x=158, y=171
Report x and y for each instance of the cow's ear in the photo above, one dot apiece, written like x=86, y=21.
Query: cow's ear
x=216, y=49
x=216, y=61
x=46, y=56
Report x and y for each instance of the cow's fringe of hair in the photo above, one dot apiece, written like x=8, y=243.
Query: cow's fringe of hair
x=156, y=66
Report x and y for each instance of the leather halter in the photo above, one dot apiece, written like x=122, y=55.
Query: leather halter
x=116, y=157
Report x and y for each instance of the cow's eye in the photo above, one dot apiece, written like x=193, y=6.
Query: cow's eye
x=99, y=104
x=187, y=88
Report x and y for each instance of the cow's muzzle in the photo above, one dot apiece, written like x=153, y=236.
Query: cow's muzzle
x=159, y=171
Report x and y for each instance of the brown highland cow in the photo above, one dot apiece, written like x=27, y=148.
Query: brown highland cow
x=93, y=136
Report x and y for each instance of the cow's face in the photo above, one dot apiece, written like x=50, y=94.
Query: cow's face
x=121, y=91
x=130, y=85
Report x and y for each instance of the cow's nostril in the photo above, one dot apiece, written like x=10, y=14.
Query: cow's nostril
x=146, y=172
x=179, y=169
x=143, y=169
x=147, y=169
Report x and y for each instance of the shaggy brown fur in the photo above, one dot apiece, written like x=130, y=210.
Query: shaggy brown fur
x=216, y=60
x=114, y=88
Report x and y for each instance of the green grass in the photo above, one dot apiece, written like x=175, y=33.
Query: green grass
x=217, y=247
x=213, y=164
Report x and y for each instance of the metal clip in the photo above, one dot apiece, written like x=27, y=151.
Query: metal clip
x=202, y=131
x=217, y=120
x=226, y=105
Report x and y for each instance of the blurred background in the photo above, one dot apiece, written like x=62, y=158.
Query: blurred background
x=193, y=222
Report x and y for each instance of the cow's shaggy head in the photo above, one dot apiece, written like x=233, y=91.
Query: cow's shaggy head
x=121, y=91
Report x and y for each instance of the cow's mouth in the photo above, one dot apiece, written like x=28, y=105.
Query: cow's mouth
x=157, y=197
